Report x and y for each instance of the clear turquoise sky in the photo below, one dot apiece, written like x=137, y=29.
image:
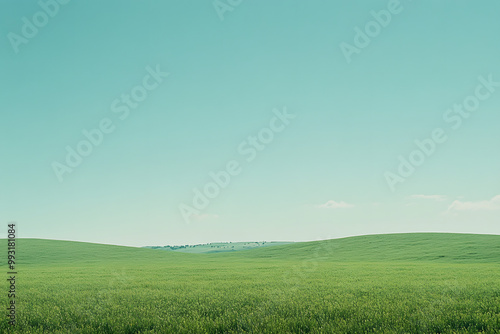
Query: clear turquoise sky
x=322, y=176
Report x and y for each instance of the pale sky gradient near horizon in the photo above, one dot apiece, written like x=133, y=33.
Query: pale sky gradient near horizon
x=226, y=77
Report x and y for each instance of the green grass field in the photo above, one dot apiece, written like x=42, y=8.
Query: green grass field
x=400, y=283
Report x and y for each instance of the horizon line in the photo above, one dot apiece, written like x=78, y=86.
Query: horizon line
x=212, y=242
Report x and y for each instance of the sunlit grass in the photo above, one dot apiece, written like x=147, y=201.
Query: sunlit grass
x=66, y=287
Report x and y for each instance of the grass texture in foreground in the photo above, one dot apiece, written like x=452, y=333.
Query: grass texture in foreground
x=399, y=283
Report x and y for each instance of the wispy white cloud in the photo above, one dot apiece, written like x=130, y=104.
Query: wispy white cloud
x=335, y=205
x=492, y=204
x=438, y=198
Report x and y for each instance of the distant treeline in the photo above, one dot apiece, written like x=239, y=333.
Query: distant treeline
x=212, y=245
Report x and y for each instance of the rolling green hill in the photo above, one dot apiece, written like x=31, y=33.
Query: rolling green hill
x=405, y=247
x=411, y=247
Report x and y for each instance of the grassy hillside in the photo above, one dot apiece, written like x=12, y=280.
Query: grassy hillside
x=44, y=252
x=406, y=283
x=428, y=247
